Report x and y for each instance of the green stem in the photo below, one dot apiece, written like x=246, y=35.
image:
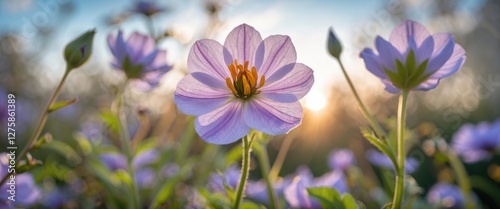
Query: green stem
x=41, y=123
x=247, y=145
x=280, y=159
x=265, y=167
x=373, y=122
x=125, y=142
x=462, y=177
x=400, y=178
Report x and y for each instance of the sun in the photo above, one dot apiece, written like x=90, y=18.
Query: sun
x=315, y=101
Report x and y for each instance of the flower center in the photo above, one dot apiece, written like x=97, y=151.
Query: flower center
x=243, y=82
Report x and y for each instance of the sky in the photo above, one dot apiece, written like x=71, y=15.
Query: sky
x=305, y=21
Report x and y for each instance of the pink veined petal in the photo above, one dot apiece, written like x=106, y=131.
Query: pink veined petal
x=195, y=98
x=429, y=84
x=117, y=46
x=404, y=32
x=206, y=56
x=278, y=52
x=291, y=86
x=223, y=125
x=372, y=63
x=139, y=46
x=387, y=54
x=443, y=49
x=453, y=64
x=272, y=117
x=242, y=43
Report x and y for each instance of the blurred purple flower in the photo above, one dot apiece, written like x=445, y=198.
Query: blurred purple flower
x=245, y=83
x=148, y=8
x=114, y=161
x=145, y=177
x=379, y=159
x=169, y=170
x=26, y=192
x=139, y=58
x=341, y=159
x=296, y=193
x=413, y=59
x=444, y=195
x=231, y=177
x=55, y=198
x=145, y=158
x=476, y=143
x=257, y=190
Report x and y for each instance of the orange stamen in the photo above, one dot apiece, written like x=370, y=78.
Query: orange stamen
x=231, y=86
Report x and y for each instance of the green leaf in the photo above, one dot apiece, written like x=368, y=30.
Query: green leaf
x=61, y=104
x=167, y=189
x=66, y=151
x=331, y=198
x=111, y=121
x=383, y=147
x=327, y=197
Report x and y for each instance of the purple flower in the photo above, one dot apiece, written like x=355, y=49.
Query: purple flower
x=413, y=59
x=145, y=158
x=25, y=190
x=296, y=193
x=257, y=190
x=379, y=159
x=231, y=177
x=341, y=159
x=476, y=143
x=139, y=58
x=114, y=161
x=148, y=8
x=245, y=83
x=444, y=195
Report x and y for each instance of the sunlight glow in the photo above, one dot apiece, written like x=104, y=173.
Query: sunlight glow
x=316, y=101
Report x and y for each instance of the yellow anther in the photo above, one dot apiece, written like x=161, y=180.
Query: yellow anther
x=246, y=66
x=254, y=73
x=251, y=79
x=262, y=81
x=233, y=71
x=231, y=86
x=246, y=86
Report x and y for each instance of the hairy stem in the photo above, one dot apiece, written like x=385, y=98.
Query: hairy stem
x=245, y=167
x=373, y=122
x=40, y=125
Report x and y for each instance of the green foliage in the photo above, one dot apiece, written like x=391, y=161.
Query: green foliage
x=331, y=198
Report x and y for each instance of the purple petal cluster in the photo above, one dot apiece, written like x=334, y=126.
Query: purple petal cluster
x=413, y=59
x=246, y=83
x=230, y=177
x=296, y=193
x=148, y=8
x=476, y=143
x=26, y=192
x=341, y=159
x=379, y=159
x=447, y=196
x=139, y=58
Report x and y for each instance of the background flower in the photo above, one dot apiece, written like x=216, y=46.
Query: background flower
x=139, y=58
x=245, y=83
x=379, y=159
x=413, y=59
x=476, y=143
x=341, y=159
x=444, y=195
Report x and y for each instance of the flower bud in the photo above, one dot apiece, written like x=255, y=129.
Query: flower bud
x=79, y=50
x=334, y=46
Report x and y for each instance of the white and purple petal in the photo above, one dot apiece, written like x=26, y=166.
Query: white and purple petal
x=223, y=125
x=404, y=34
x=278, y=52
x=242, y=43
x=288, y=84
x=196, y=98
x=272, y=117
x=206, y=56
